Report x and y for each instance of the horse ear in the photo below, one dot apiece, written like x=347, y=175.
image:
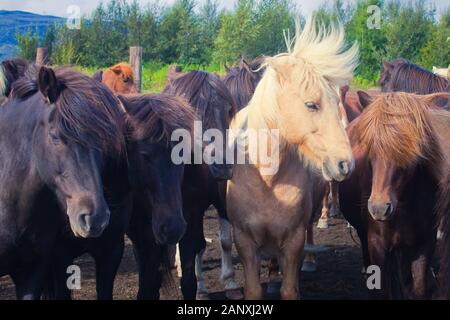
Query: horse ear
x=49, y=85
x=364, y=99
x=440, y=100
x=124, y=101
x=283, y=70
x=98, y=76
x=387, y=65
x=344, y=91
x=116, y=69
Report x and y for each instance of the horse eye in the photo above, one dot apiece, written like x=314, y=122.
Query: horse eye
x=312, y=106
x=54, y=137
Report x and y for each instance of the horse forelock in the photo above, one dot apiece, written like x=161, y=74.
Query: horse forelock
x=86, y=112
x=157, y=116
x=396, y=128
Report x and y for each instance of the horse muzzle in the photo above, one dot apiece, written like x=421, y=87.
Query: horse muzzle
x=380, y=211
x=337, y=170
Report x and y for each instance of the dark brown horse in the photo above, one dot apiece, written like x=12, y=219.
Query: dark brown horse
x=444, y=219
x=144, y=195
x=157, y=217
x=390, y=199
x=58, y=131
x=402, y=75
x=243, y=79
x=214, y=107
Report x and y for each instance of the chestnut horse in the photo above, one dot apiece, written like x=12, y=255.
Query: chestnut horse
x=402, y=75
x=297, y=100
x=118, y=78
x=58, y=131
x=390, y=198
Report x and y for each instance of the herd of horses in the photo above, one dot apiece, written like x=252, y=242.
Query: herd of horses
x=85, y=161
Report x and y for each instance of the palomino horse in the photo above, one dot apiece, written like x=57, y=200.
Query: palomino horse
x=401, y=75
x=391, y=196
x=56, y=131
x=118, y=78
x=297, y=100
x=203, y=184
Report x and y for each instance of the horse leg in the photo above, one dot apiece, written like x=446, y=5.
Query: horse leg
x=29, y=280
x=107, y=261
x=190, y=245
x=309, y=263
x=335, y=209
x=148, y=256
x=377, y=257
x=274, y=276
x=232, y=291
x=290, y=266
x=251, y=261
x=323, y=220
x=57, y=286
x=202, y=292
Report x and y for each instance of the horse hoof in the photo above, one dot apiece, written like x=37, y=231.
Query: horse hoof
x=322, y=224
x=273, y=288
x=234, y=294
x=335, y=212
x=202, y=296
x=309, y=266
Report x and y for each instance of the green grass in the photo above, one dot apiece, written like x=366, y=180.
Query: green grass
x=154, y=74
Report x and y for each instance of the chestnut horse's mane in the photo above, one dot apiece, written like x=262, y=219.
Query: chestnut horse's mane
x=397, y=128
x=156, y=116
x=86, y=112
x=408, y=77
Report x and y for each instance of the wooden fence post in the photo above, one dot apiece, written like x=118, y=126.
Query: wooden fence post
x=41, y=56
x=136, y=65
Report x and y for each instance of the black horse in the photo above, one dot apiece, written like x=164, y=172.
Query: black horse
x=214, y=106
x=56, y=131
x=144, y=195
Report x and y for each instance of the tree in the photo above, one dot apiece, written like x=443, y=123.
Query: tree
x=437, y=50
x=408, y=28
x=27, y=44
x=237, y=33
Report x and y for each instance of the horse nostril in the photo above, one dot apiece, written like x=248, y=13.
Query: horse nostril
x=343, y=167
x=388, y=208
x=83, y=221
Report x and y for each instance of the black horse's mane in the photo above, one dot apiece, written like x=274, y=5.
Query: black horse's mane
x=202, y=90
x=408, y=77
x=156, y=116
x=243, y=79
x=86, y=112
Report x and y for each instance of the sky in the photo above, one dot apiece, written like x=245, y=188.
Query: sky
x=59, y=7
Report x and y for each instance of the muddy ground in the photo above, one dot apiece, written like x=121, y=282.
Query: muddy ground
x=338, y=273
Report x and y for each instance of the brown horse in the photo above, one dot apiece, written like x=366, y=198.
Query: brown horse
x=118, y=78
x=402, y=75
x=391, y=196
x=298, y=95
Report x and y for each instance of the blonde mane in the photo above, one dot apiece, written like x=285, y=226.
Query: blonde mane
x=2, y=81
x=396, y=127
x=326, y=63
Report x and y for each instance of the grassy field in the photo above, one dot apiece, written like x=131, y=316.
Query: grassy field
x=154, y=75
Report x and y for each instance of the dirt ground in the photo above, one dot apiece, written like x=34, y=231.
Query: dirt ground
x=338, y=273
